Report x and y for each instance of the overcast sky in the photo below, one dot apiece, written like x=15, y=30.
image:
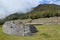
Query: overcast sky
x=8, y=7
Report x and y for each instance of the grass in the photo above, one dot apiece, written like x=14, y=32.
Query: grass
x=45, y=32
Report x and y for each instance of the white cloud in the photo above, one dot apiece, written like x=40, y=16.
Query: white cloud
x=58, y=2
x=11, y=6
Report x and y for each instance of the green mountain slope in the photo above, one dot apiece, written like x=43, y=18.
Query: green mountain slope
x=46, y=10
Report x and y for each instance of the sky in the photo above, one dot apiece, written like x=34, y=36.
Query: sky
x=8, y=7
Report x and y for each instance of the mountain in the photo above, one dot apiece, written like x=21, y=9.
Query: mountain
x=41, y=11
x=46, y=10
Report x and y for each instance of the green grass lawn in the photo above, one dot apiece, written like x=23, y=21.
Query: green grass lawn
x=45, y=32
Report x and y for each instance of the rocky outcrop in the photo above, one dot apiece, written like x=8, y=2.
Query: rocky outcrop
x=20, y=29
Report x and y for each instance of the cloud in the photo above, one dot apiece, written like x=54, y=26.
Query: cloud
x=48, y=1
x=8, y=7
x=58, y=2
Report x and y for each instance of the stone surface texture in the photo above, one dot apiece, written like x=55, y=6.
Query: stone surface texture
x=18, y=28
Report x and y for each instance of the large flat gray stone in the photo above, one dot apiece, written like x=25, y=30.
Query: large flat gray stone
x=21, y=29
